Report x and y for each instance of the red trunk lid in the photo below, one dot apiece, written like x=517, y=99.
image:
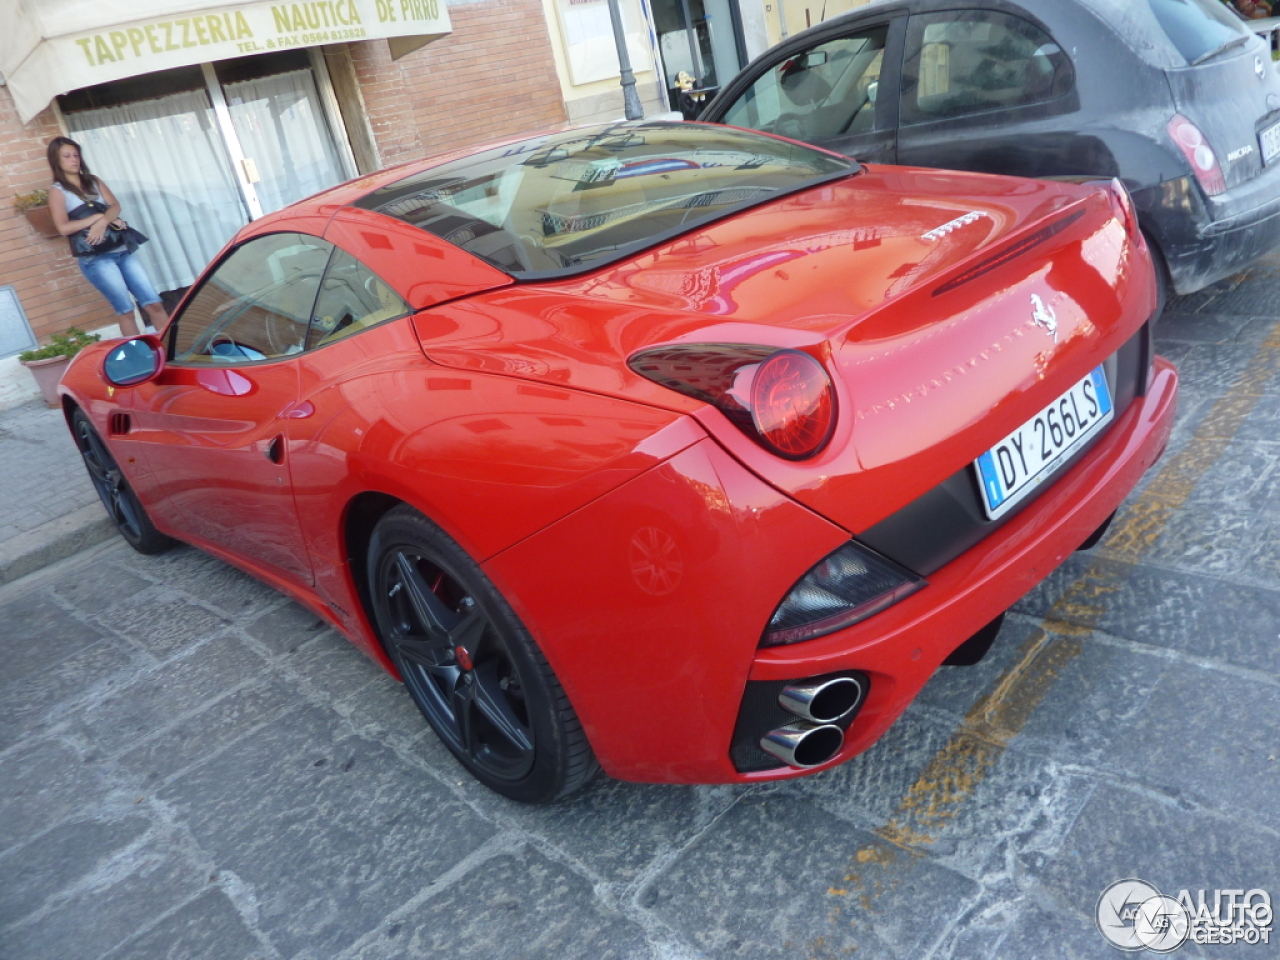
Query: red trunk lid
x=914, y=287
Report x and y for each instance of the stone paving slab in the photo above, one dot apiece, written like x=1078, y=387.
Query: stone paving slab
x=328, y=829
x=520, y=904
x=1201, y=616
x=49, y=509
x=108, y=907
x=207, y=928
x=1097, y=693
x=1236, y=773
x=56, y=861
x=779, y=877
x=1129, y=831
x=192, y=766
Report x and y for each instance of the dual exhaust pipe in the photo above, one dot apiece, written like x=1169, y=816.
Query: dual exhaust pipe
x=819, y=706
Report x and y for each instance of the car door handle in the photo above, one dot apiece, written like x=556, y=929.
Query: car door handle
x=275, y=449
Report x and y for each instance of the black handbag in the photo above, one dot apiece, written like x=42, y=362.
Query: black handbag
x=116, y=238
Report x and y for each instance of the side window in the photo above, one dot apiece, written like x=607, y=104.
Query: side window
x=969, y=61
x=352, y=298
x=256, y=305
x=822, y=92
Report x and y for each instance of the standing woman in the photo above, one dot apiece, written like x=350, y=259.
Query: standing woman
x=111, y=267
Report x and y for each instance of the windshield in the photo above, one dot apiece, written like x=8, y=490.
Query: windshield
x=575, y=200
x=1199, y=28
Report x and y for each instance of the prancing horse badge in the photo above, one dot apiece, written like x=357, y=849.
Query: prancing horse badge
x=1044, y=316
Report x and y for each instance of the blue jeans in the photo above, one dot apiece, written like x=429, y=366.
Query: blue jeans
x=120, y=278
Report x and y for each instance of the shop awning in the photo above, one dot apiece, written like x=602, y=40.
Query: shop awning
x=48, y=47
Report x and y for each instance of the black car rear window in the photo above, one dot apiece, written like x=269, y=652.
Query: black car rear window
x=1199, y=28
x=576, y=200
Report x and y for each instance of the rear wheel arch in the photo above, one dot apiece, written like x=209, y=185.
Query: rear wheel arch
x=1164, y=282
x=358, y=523
x=517, y=731
x=361, y=517
x=1169, y=213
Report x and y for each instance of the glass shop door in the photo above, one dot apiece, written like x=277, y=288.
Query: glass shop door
x=194, y=154
x=703, y=40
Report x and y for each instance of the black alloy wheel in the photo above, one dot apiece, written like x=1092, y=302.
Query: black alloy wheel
x=122, y=504
x=470, y=665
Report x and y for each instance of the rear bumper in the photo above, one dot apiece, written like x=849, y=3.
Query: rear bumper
x=1204, y=243
x=901, y=648
x=650, y=601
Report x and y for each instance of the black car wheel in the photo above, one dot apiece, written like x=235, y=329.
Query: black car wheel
x=122, y=504
x=470, y=665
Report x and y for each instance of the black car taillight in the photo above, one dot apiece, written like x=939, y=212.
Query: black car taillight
x=1194, y=146
x=781, y=398
x=847, y=586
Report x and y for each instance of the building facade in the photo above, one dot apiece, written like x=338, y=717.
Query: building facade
x=203, y=115
x=196, y=148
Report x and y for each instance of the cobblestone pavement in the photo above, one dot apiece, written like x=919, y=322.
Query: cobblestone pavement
x=193, y=767
x=48, y=508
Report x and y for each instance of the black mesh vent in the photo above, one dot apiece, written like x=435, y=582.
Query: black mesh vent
x=119, y=424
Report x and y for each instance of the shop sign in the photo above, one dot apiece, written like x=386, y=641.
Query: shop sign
x=128, y=49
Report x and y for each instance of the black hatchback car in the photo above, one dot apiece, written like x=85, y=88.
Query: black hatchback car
x=1177, y=98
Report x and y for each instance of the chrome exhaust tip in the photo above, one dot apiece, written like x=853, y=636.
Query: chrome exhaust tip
x=801, y=745
x=824, y=701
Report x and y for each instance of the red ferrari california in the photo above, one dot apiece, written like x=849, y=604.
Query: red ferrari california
x=676, y=450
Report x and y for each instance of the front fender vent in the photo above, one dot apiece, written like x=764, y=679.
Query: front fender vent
x=118, y=424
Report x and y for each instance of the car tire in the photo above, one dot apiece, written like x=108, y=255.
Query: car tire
x=122, y=504
x=471, y=666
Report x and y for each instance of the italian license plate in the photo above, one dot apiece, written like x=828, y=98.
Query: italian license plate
x=1013, y=469
x=1269, y=141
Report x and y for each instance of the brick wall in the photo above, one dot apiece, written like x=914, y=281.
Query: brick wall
x=53, y=293
x=493, y=77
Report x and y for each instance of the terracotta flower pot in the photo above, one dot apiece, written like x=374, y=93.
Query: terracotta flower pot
x=42, y=219
x=47, y=373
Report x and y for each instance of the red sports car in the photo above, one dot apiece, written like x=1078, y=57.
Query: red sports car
x=678, y=450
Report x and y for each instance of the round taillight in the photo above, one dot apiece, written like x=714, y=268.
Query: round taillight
x=792, y=404
x=1189, y=135
x=1199, y=154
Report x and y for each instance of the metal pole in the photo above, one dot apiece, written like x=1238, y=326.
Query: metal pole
x=691, y=35
x=630, y=99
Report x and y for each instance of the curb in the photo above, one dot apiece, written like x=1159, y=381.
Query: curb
x=54, y=541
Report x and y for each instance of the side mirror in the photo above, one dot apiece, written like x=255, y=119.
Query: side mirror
x=133, y=361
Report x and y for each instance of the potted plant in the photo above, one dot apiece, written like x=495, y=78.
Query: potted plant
x=48, y=363
x=35, y=207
